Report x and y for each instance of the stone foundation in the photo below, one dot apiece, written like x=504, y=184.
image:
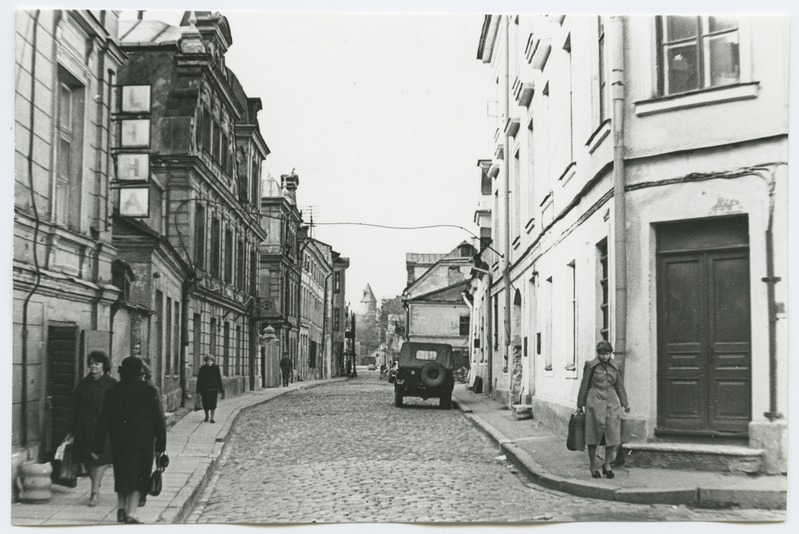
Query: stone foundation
x=772, y=437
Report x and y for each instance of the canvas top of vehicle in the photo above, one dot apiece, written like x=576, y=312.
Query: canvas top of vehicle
x=414, y=354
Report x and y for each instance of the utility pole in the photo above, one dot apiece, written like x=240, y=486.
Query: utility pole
x=506, y=207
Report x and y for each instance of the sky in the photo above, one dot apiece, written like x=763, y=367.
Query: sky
x=382, y=116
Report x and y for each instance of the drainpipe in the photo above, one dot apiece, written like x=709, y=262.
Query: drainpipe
x=506, y=207
x=488, y=385
x=23, y=419
x=186, y=290
x=619, y=201
x=773, y=414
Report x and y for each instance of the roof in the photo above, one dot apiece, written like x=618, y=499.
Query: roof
x=452, y=293
x=148, y=31
x=422, y=257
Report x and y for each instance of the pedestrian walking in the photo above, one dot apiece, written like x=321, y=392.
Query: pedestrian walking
x=602, y=395
x=285, y=369
x=133, y=420
x=209, y=385
x=88, y=406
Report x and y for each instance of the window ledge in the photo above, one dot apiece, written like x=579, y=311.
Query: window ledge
x=598, y=136
x=530, y=225
x=516, y=241
x=697, y=98
x=568, y=173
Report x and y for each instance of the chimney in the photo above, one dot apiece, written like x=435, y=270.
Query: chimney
x=289, y=183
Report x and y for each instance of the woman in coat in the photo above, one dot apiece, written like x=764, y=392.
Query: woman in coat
x=133, y=419
x=209, y=384
x=602, y=395
x=88, y=406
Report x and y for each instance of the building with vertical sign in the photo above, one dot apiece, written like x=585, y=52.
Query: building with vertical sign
x=66, y=65
x=190, y=151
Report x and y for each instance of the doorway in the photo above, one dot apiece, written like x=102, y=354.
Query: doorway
x=63, y=372
x=704, y=328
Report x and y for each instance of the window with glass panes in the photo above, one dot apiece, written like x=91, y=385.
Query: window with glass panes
x=697, y=52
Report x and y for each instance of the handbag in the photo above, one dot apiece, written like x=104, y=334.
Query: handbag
x=198, y=403
x=156, y=483
x=575, y=441
x=65, y=467
x=157, y=479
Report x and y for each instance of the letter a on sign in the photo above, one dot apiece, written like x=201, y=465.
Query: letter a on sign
x=134, y=202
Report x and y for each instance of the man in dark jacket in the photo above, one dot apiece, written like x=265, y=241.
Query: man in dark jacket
x=285, y=369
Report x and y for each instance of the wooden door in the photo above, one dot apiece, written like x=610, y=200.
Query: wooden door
x=704, y=351
x=63, y=373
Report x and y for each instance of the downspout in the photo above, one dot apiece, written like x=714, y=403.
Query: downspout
x=619, y=180
x=23, y=419
x=506, y=209
x=489, y=321
x=324, y=330
x=773, y=414
x=186, y=291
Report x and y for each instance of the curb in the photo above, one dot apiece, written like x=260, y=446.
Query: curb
x=202, y=475
x=710, y=497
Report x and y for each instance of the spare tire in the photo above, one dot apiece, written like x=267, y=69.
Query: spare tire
x=433, y=375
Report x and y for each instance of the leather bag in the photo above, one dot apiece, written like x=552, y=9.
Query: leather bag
x=576, y=438
x=156, y=483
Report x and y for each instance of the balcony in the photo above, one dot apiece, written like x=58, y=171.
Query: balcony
x=493, y=170
x=499, y=153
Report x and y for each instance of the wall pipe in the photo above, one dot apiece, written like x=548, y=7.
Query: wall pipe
x=619, y=200
x=506, y=206
x=23, y=420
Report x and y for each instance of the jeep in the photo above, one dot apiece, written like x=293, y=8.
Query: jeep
x=424, y=370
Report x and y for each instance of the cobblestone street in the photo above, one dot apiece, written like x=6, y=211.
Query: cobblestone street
x=343, y=452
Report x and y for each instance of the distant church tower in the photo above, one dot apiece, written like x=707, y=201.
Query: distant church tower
x=368, y=302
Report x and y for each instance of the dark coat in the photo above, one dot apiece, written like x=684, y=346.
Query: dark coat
x=602, y=394
x=133, y=419
x=88, y=406
x=209, y=384
x=285, y=364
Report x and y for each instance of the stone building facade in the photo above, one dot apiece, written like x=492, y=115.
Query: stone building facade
x=186, y=119
x=66, y=65
x=638, y=194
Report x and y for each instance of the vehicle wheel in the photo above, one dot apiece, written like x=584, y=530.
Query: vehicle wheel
x=433, y=375
x=445, y=401
x=397, y=398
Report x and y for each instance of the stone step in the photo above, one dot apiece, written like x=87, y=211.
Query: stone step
x=696, y=457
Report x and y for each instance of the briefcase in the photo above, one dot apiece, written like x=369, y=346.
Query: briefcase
x=576, y=438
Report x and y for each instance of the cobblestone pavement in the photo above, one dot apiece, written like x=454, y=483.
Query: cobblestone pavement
x=343, y=453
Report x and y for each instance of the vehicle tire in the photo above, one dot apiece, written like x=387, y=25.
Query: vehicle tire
x=433, y=375
x=445, y=401
x=397, y=398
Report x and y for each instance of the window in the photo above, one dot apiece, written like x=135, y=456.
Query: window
x=216, y=244
x=604, y=300
x=567, y=47
x=199, y=236
x=463, y=326
x=176, y=339
x=548, y=324
x=69, y=150
x=426, y=355
x=169, y=336
x=229, y=256
x=336, y=319
x=239, y=359
x=197, y=342
x=215, y=140
x=212, y=339
x=571, y=364
x=603, y=112
x=496, y=323
x=697, y=52
x=226, y=348
x=206, y=130
x=241, y=267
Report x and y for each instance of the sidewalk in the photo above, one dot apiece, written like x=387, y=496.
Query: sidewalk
x=193, y=448
x=541, y=455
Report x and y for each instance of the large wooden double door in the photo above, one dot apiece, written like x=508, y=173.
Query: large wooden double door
x=704, y=349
